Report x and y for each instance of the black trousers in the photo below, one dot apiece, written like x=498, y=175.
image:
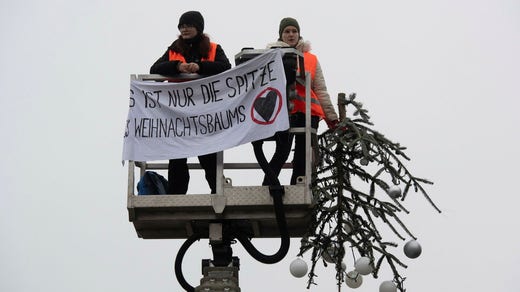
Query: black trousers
x=283, y=146
x=299, y=158
x=179, y=175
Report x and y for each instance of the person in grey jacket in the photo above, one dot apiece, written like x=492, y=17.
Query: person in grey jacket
x=321, y=105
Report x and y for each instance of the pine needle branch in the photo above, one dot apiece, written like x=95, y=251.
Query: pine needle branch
x=353, y=157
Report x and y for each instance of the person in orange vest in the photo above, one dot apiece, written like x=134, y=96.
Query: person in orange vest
x=321, y=105
x=191, y=52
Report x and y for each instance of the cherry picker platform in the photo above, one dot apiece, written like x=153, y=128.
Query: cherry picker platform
x=249, y=208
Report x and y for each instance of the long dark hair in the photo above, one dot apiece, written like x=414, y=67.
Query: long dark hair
x=200, y=42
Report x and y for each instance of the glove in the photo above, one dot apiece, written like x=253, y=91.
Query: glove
x=332, y=124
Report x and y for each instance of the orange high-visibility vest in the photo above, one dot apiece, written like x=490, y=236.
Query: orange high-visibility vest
x=174, y=56
x=310, y=64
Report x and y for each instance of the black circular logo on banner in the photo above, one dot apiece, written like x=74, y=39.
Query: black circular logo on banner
x=267, y=106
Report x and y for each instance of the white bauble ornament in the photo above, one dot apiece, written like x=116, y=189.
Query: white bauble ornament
x=412, y=249
x=363, y=266
x=353, y=279
x=394, y=192
x=298, y=268
x=387, y=286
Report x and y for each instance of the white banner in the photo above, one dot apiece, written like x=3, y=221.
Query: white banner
x=186, y=119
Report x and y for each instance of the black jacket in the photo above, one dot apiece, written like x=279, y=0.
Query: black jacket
x=165, y=67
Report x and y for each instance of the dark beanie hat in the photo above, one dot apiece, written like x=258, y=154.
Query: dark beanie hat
x=288, y=21
x=192, y=18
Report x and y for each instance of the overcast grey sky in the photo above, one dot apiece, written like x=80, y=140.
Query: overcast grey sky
x=441, y=77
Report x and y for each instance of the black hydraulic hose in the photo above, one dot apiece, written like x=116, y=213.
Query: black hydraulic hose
x=262, y=161
x=284, y=236
x=276, y=191
x=178, y=262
